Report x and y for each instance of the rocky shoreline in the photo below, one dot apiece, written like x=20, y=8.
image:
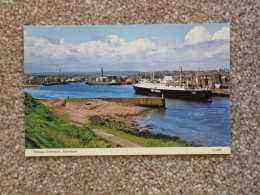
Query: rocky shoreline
x=131, y=126
x=109, y=115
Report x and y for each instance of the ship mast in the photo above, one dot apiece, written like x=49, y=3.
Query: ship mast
x=181, y=75
x=153, y=72
x=60, y=73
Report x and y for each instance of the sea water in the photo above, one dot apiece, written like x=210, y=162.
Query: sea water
x=205, y=123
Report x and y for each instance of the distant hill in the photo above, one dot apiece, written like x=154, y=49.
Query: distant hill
x=121, y=72
x=83, y=73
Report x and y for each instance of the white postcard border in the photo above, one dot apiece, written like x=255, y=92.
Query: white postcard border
x=127, y=151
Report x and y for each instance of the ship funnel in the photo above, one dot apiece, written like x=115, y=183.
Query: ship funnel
x=102, y=72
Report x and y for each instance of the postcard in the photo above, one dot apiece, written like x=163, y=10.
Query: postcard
x=154, y=89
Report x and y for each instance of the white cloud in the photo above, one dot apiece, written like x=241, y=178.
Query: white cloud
x=207, y=52
x=200, y=34
x=62, y=42
x=40, y=53
x=115, y=40
x=114, y=53
x=222, y=34
x=196, y=35
x=146, y=44
x=201, y=49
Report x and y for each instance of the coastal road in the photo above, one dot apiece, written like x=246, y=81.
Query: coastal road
x=122, y=142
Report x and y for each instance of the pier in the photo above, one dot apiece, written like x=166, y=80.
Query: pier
x=55, y=83
x=146, y=102
x=143, y=102
x=221, y=92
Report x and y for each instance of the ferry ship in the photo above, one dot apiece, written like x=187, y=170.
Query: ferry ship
x=167, y=91
x=170, y=89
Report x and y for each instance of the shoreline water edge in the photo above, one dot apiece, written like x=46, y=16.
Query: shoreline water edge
x=110, y=118
x=205, y=124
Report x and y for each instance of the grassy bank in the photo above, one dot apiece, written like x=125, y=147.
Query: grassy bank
x=145, y=138
x=83, y=100
x=43, y=129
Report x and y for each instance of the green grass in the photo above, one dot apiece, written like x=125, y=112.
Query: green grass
x=85, y=100
x=43, y=129
x=147, y=142
x=97, y=123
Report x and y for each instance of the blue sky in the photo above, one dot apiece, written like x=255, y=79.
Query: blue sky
x=126, y=47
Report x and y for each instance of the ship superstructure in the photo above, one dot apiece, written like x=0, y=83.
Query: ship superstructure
x=167, y=88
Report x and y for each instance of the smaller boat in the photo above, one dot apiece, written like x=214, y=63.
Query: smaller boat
x=103, y=83
x=55, y=83
x=104, y=80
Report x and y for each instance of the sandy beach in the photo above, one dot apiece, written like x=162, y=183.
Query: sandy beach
x=81, y=111
x=30, y=85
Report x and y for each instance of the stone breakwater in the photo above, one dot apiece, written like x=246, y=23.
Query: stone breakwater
x=146, y=102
